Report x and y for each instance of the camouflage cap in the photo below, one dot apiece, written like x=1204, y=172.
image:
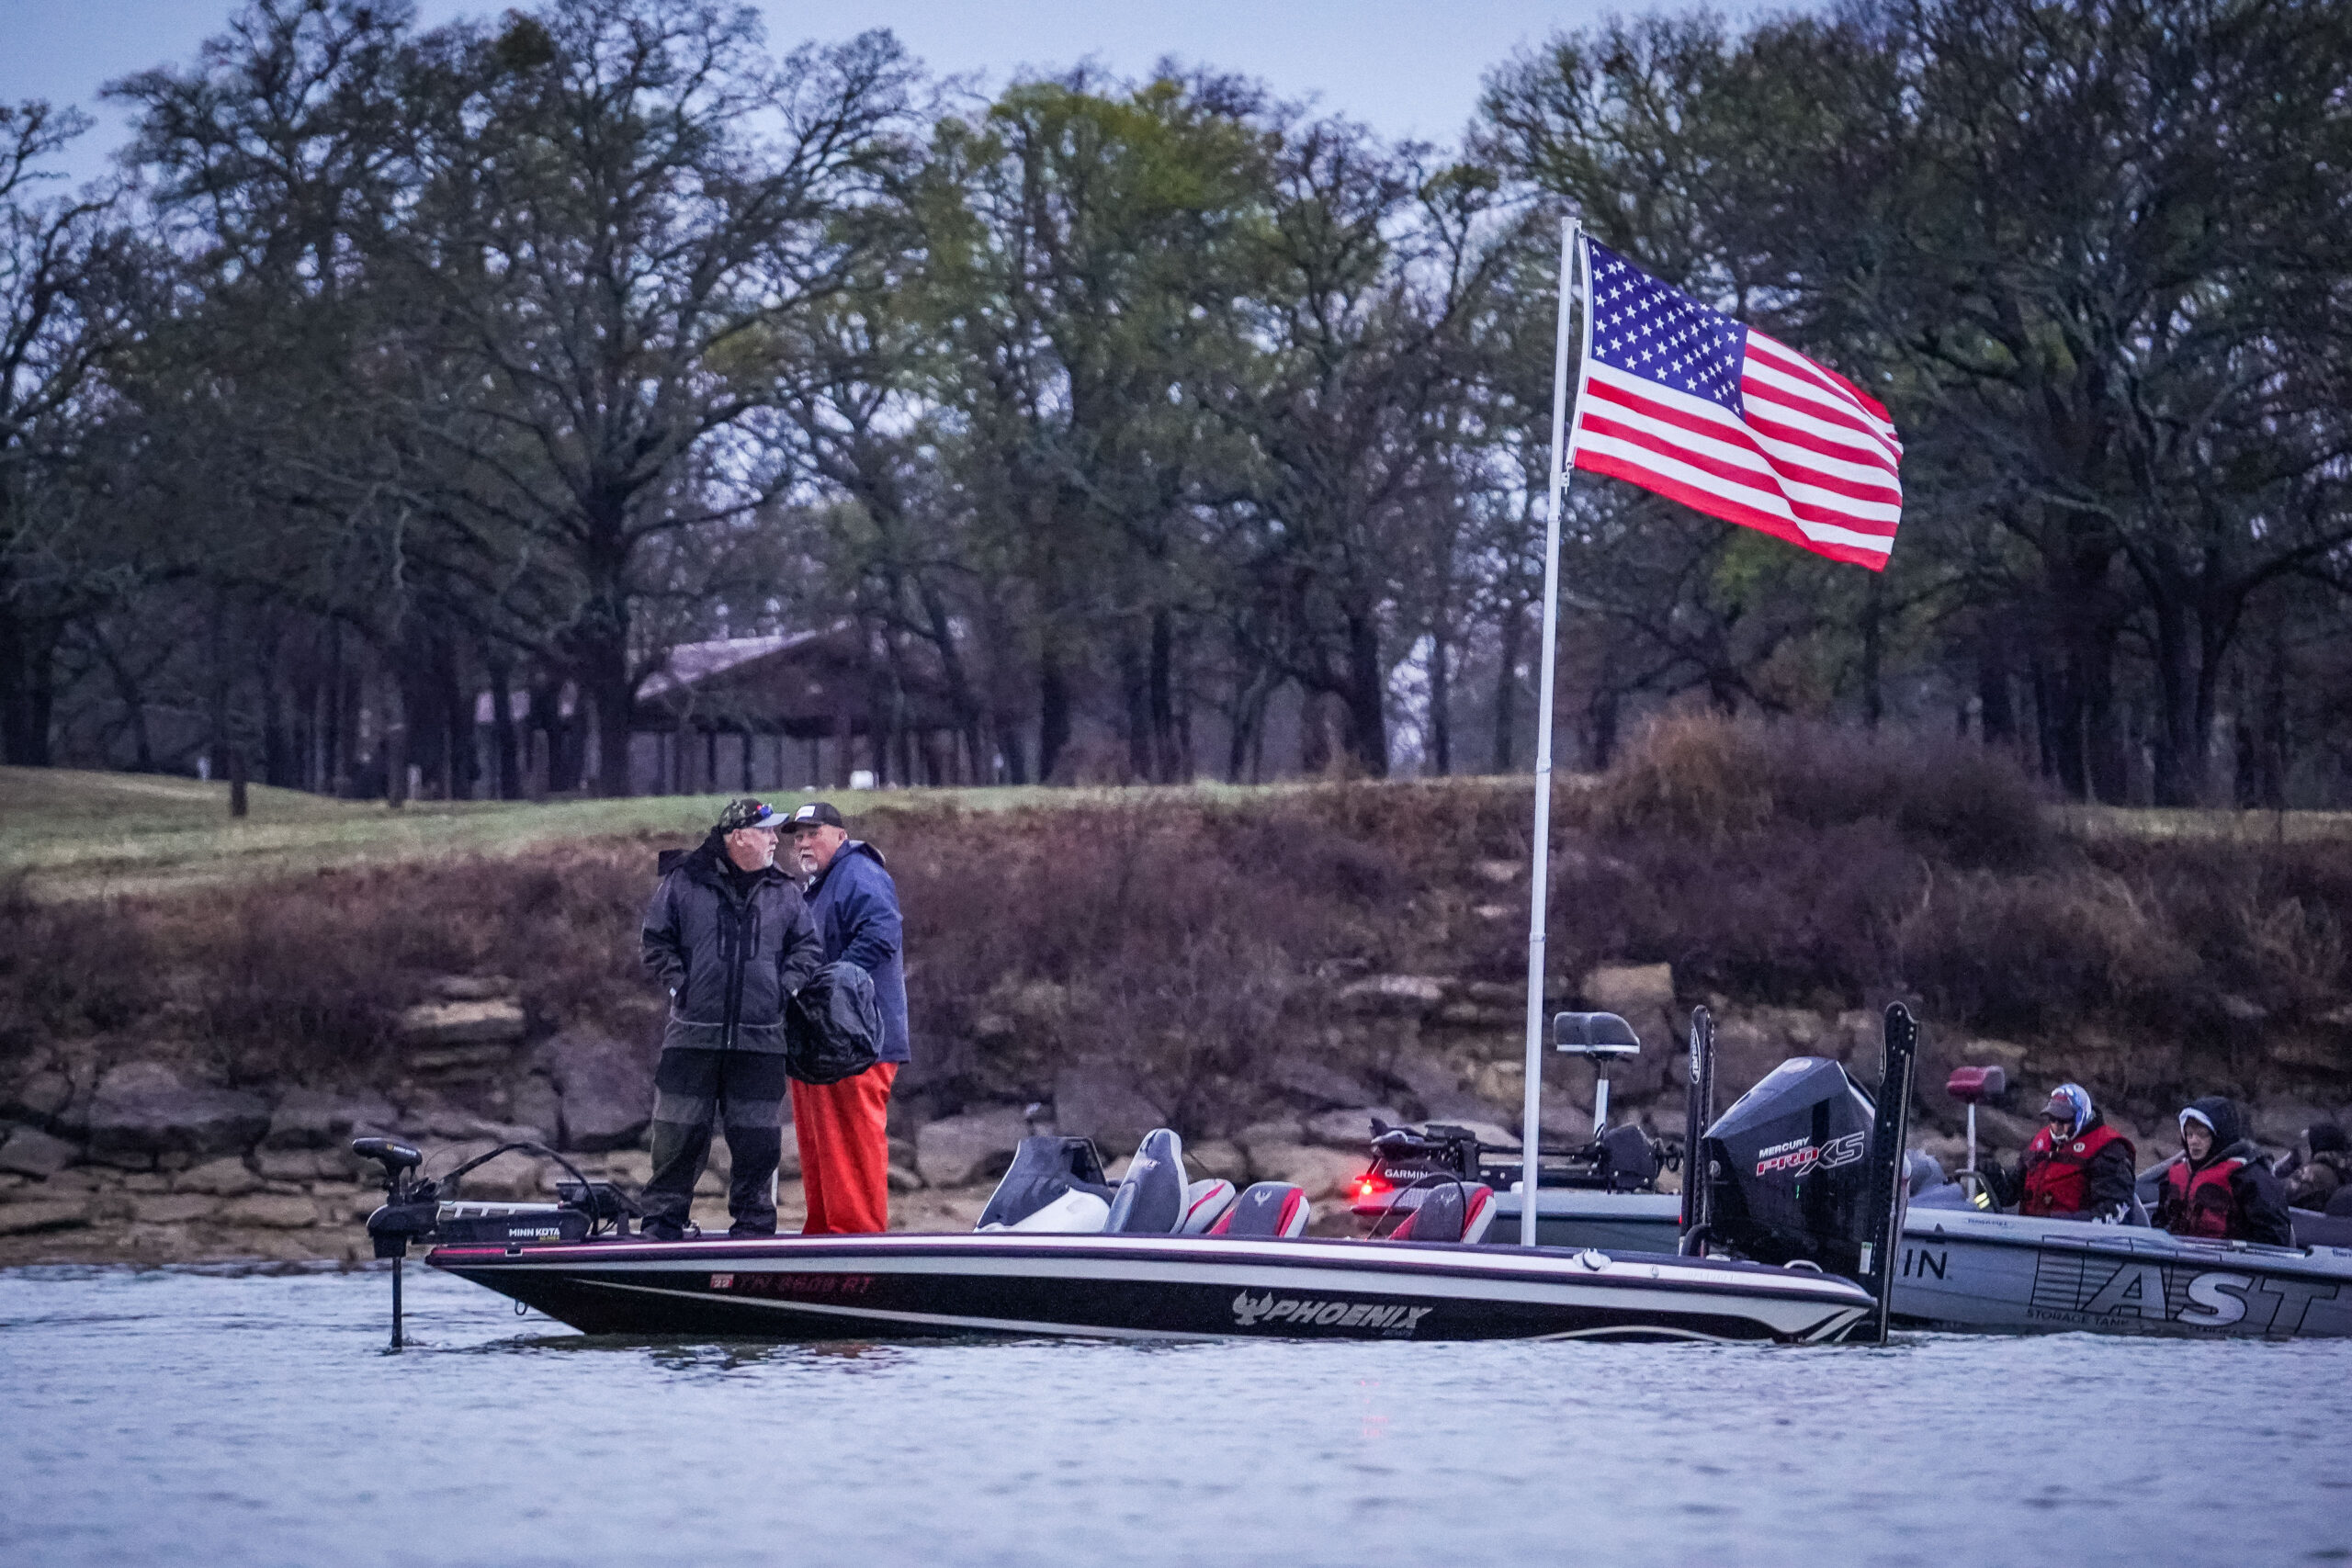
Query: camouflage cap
x=746, y=812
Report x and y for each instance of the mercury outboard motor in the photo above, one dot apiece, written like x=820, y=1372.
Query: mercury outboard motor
x=1807, y=1168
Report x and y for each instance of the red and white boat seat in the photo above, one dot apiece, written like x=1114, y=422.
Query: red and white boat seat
x=1275, y=1209
x=1205, y=1203
x=1451, y=1211
x=1153, y=1197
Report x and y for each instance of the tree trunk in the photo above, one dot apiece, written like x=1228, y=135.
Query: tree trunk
x=1135, y=698
x=1441, y=707
x=1366, y=697
x=965, y=701
x=1514, y=632
x=1009, y=745
x=509, y=761
x=2180, y=742
x=1052, y=717
x=1996, y=716
x=1605, y=711
x=2270, y=736
x=395, y=748
x=1167, y=754
x=601, y=668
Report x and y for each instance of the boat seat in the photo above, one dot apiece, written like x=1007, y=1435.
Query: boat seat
x=1205, y=1203
x=1270, y=1209
x=1630, y=1161
x=1450, y=1211
x=1152, y=1198
x=1054, y=1184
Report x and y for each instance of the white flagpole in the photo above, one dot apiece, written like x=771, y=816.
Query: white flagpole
x=1531, y=1123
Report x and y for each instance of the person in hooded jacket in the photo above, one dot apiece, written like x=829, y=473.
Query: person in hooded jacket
x=2221, y=1186
x=730, y=938
x=2326, y=1173
x=842, y=1127
x=2076, y=1167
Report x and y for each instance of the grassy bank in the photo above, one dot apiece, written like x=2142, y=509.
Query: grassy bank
x=65, y=833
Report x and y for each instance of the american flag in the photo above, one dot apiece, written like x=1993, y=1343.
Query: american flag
x=1684, y=400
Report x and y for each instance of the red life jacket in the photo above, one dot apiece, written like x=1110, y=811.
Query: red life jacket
x=2057, y=1171
x=2198, y=1203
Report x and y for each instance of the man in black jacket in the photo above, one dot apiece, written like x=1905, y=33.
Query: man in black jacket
x=730, y=937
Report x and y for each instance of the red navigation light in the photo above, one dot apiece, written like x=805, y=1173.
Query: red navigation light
x=1367, y=1186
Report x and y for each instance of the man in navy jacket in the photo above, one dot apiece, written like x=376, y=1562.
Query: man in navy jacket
x=843, y=1127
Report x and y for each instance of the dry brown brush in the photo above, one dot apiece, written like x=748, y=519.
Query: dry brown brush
x=1194, y=944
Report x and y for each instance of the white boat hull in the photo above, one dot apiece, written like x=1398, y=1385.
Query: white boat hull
x=1969, y=1272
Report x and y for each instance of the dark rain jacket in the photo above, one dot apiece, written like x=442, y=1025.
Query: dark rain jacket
x=732, y=952
x=2319, y=1178
x=2257, y=1199
x=855, y=905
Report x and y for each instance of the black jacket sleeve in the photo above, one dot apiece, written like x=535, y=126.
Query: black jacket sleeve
x=661, y=946
x=803, y=951
x=2112, y=1179
x=2262, y=1205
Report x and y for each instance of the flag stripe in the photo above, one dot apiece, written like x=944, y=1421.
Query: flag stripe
x=1803, y=438
x=1774, y=351
x=1862, y=549
x=1796, y=502
x=1801, y=399
x=1718, y=436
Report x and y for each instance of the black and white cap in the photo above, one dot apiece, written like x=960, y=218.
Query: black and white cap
x=816, y=814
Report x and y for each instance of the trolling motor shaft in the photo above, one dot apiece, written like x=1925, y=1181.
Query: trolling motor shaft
x=406, y=1213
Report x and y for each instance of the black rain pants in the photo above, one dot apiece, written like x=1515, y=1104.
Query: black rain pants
x=743, y=1091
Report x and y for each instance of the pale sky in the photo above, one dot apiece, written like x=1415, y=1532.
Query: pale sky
x=1405, y=67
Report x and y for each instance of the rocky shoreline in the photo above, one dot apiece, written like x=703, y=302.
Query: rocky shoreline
x=108, y=1157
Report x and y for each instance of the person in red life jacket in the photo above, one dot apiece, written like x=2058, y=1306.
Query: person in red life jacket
x=2221, y=1186
x=842, y=1127
x=2076, y=1167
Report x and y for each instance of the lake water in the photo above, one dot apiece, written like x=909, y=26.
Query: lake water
x=204, y=1417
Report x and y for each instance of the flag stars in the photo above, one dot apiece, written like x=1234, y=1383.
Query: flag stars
x=1661, y=335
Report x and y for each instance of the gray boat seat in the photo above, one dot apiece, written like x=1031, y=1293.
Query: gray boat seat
x=1152, y=1198
x=1205, y=1203
x=1929, y=1189
x=1270, y=1209
x=1054, y=1184
x=1450, y=1211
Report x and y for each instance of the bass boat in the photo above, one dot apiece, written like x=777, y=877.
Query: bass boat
x=1961, y=1269
x=1060, y=1250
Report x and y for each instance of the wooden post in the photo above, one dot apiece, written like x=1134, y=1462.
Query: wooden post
x=236, y=761
x=534, y=780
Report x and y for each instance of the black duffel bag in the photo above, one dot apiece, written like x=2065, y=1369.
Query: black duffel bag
x=832, y=1028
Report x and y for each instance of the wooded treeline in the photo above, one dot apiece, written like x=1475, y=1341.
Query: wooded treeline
x=404, y=365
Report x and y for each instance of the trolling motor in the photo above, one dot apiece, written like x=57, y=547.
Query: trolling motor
x=417, y=1209
x=405, y=1214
